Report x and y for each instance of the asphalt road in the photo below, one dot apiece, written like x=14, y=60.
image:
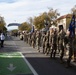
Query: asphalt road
x=42, y=64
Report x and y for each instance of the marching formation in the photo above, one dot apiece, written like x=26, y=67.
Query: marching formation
x=53, y=42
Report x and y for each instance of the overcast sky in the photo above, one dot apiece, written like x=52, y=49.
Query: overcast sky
x=20, y=10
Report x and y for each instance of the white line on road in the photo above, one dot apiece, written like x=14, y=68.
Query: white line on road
x=30, y=66
x=32, y=69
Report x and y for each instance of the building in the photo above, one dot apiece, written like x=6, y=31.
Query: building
x=64, y=21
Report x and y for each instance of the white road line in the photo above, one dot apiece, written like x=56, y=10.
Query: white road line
x=32, y=69
x=30, y=66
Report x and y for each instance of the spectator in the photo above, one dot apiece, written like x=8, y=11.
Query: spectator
x=2, y=38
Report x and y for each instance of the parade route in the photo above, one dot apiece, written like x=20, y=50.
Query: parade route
x=18, y=58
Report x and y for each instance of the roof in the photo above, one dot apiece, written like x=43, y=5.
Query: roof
x=64, y=16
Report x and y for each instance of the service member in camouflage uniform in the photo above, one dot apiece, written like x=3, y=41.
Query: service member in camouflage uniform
x=33, y=39
x=61, y=44
x=43, y=41
x=24, y=37
x=29, y=38
x=47, y=43
x=54, y=44
x=38, y=40
x=72, y=43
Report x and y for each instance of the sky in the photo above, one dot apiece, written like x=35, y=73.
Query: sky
x=18, y=11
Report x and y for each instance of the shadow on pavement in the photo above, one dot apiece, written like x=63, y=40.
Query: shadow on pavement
x=47, y=66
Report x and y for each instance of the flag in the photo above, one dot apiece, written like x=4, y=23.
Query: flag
x=72, y=26
x=32, y=30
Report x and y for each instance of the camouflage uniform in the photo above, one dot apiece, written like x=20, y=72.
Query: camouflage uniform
x=71, y=50
x=47, y=43
x=33, y=39
x=24, y=36
x=27, y=37
x=75, y=49
x=54, y=44
x=61, y=44
x=38, y=40
x=43, y=42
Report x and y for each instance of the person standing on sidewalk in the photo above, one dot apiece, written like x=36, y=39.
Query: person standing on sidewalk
x=2, y=37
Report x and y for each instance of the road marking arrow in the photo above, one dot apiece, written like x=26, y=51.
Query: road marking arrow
x=11, y=67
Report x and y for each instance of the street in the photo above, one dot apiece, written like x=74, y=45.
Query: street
x=40, y=64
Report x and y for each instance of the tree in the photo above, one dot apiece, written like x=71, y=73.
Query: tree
x=73, y=10
x=53, y=14
x=2, y=25
x=30, y=21
x=38, y=22
x=46, y=18
x=25, y=26
x=14, y=31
